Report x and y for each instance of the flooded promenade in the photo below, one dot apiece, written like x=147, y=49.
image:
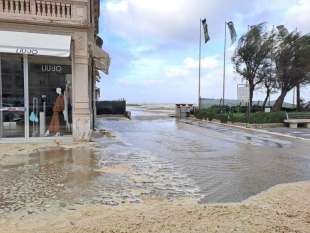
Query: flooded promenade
x=154, y=174
x=224, y=164
x=151, y=156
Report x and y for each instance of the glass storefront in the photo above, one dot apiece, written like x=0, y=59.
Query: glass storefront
x=47, y=81
x=12, y=109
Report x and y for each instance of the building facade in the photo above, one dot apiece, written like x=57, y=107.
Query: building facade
x=50, y=58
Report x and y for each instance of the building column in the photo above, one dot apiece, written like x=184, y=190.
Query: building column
x=80, y=88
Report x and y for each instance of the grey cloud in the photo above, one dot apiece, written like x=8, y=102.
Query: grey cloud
x=181, y=26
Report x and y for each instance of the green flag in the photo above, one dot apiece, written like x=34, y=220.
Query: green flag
x=205, y=30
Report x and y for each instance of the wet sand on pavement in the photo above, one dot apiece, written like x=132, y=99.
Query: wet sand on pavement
x=283, y=208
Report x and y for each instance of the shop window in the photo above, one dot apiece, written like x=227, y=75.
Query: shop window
x=50, y=96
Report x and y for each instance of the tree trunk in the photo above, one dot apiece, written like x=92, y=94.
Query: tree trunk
x=279, y=102
x=266, y=99
x=298, y=98
x=251, y=97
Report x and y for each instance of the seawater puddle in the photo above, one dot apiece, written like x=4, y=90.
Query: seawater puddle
x=153, y=176
x=113, y=174
x=54, y=177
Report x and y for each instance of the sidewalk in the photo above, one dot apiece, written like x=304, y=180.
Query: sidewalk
x=300, y=133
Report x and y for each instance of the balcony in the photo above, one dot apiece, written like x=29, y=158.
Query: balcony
x=64, y=12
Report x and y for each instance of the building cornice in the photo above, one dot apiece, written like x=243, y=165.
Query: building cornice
x=46, y=24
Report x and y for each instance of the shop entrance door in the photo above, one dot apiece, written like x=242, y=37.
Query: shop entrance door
x=12, y=96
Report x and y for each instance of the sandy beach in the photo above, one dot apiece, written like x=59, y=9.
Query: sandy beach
x=283, y=208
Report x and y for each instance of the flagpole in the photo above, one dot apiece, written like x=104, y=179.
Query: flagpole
x=199, y=96
x=224, y=71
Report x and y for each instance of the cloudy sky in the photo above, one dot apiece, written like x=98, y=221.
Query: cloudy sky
x=154, y=45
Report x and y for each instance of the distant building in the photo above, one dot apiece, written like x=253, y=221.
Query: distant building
x=47, y=46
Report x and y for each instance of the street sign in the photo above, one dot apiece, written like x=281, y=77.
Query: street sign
x=243, y=93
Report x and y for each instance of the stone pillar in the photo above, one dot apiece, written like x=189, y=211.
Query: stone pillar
x=80, y=88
